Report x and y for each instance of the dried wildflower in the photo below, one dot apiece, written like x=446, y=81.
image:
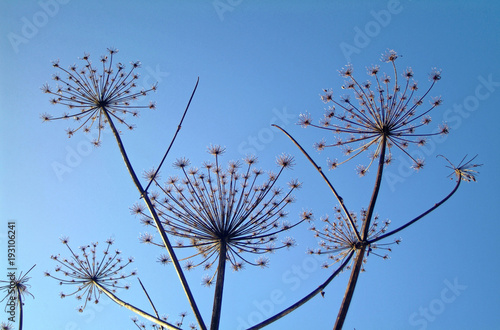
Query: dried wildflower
x=465, y=169
x=337, y=238
x=212, y=207
x=94, y=96
x=6, y=326
x=16, y=289
x=90, y=273
x=384, y=118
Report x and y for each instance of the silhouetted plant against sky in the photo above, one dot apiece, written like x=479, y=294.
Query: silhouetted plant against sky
x=388, y=116
x=91, y=95
x=224, y=214
x=15, y=291
x=101, y=98
x=93, y=275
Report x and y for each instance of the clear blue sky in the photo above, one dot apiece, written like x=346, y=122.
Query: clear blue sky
x=258, y=64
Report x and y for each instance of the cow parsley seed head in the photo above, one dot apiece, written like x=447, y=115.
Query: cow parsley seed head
x=94, y=92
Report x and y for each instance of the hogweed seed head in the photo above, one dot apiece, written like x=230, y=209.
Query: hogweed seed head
x=15, y=287
x=465, y=170
x=387, y=111
x=90, y=93
x=337, y=238
x=239, y=206
x=85, y=270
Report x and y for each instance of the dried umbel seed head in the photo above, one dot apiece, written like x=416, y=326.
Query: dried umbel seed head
x=96, y=93
x=239, y=206
x=387, y=115
x=337, y=237
x=87, y=271
x=15, y=286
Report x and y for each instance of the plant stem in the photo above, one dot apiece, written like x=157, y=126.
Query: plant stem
x=20, y=308
x=219, y=287
x=303, y=300
x=350, y=289
x=175, y=135
x=157, y=221
x=376, y=189
x=420, y=216
x=135, y=309
x=346, y=302
x=320, y=170
x=149, y=298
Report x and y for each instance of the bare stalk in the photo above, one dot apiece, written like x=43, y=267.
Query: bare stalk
x=20, y=307
x=350, y=289
x=135, y=309
x=320, y=170
x=219, y=287
x=175, y=135
x=376, y=189
x=363, y=243
x=149, y=298
x=420, y=216
x=305, y=299
x=158, y=223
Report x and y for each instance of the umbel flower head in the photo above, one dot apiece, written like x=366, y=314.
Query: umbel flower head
x=6, y=326
x=239, y=207
x=90, y=94
x=15, y=287
x=338, y=240
x=88, y=271
x=465, y=170
x=387, y=112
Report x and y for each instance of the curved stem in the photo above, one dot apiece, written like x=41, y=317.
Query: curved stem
x=341, y=201
x=158, y=223
x=350, y=289
x=420, y=216
x=135, y=309
x=175, y=135
x=219, y=287
x=305, y=299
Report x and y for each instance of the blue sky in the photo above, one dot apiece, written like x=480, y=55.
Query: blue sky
x=258, y=64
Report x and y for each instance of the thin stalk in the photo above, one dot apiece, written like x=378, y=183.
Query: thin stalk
x=350, y=289
x=305, y=299
x=340, y=199
x=175, y=135
x=157, y=221
x=420, y=216
x=20, y=308
x=135, y=309
x=376, y=189
x=219, y=287
x=346, y=302
x=149, y=298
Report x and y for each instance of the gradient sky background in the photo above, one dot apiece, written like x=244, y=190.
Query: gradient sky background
x=258, y=64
